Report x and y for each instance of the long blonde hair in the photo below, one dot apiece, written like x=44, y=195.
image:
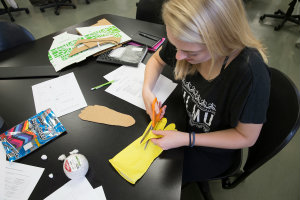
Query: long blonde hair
x=219, y=24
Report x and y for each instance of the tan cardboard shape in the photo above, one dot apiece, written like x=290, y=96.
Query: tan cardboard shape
x=90, y=43
x=105, y=115
x=76, y=49
x=105, y=50
x=102, y=22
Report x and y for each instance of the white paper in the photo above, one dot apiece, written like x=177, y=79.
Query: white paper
x=77, y=190
x=129, y=83
x=2, y=164
x=100, y=193
x=57, y=52
x=17, y=180
x=62, y=38
x=61, y=94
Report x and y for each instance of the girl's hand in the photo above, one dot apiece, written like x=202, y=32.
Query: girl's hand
x=163, y=110
x=170, y=139
x=148, y=98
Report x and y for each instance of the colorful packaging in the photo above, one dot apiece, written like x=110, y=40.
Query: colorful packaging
x=31, y=134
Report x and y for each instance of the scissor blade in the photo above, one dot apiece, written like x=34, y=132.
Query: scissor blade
x=146, y=145
x=148, y=131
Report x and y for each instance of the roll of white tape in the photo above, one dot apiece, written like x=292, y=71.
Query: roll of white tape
x=75, y=166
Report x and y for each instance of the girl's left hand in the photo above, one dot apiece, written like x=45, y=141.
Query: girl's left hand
x=170, y=139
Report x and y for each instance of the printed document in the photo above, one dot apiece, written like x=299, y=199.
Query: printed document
x=62, y=95
x=129, y=83
x=17, y=180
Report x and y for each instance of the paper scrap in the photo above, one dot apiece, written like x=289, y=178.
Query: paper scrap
x=62, y=157
x=104, y=115
x=74, y=151
x=44, y=157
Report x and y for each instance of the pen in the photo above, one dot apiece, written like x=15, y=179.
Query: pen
x=104, y=84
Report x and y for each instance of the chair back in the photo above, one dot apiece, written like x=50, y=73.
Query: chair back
x=283, y=120
x=150, y=11
x=12, y=35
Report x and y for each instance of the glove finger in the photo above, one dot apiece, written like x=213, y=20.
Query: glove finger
x=170, y=127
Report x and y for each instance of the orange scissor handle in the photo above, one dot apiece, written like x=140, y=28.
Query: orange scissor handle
x=155, y=116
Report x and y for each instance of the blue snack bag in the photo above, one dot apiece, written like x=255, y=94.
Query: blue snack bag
x=29, y=135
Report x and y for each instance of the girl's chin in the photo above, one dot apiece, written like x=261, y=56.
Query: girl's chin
x=189, y=60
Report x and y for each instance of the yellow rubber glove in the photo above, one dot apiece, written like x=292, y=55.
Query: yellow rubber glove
x=133, y=161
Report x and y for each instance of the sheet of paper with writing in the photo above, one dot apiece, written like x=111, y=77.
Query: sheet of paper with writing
x=129, y=83
x=17, y=180
x=62, y=95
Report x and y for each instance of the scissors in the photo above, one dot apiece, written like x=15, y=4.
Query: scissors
x=155, y=119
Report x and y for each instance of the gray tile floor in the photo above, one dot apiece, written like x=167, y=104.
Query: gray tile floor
x=280, y=177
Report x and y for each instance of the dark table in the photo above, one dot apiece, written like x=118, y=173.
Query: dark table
x=98, y=142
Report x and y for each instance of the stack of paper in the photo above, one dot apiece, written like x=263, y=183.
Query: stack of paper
x=129, y=83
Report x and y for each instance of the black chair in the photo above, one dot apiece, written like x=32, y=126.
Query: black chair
x=279, y=14
x=12, y=35
x=9, y=10
x=149, y=10
x=283, y=120
x=57, y=4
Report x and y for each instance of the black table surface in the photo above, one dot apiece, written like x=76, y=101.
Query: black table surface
x=98, y=142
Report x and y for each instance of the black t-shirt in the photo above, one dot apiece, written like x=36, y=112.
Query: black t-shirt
x=239, y=93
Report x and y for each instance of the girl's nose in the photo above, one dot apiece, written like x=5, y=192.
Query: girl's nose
x=180, y=55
